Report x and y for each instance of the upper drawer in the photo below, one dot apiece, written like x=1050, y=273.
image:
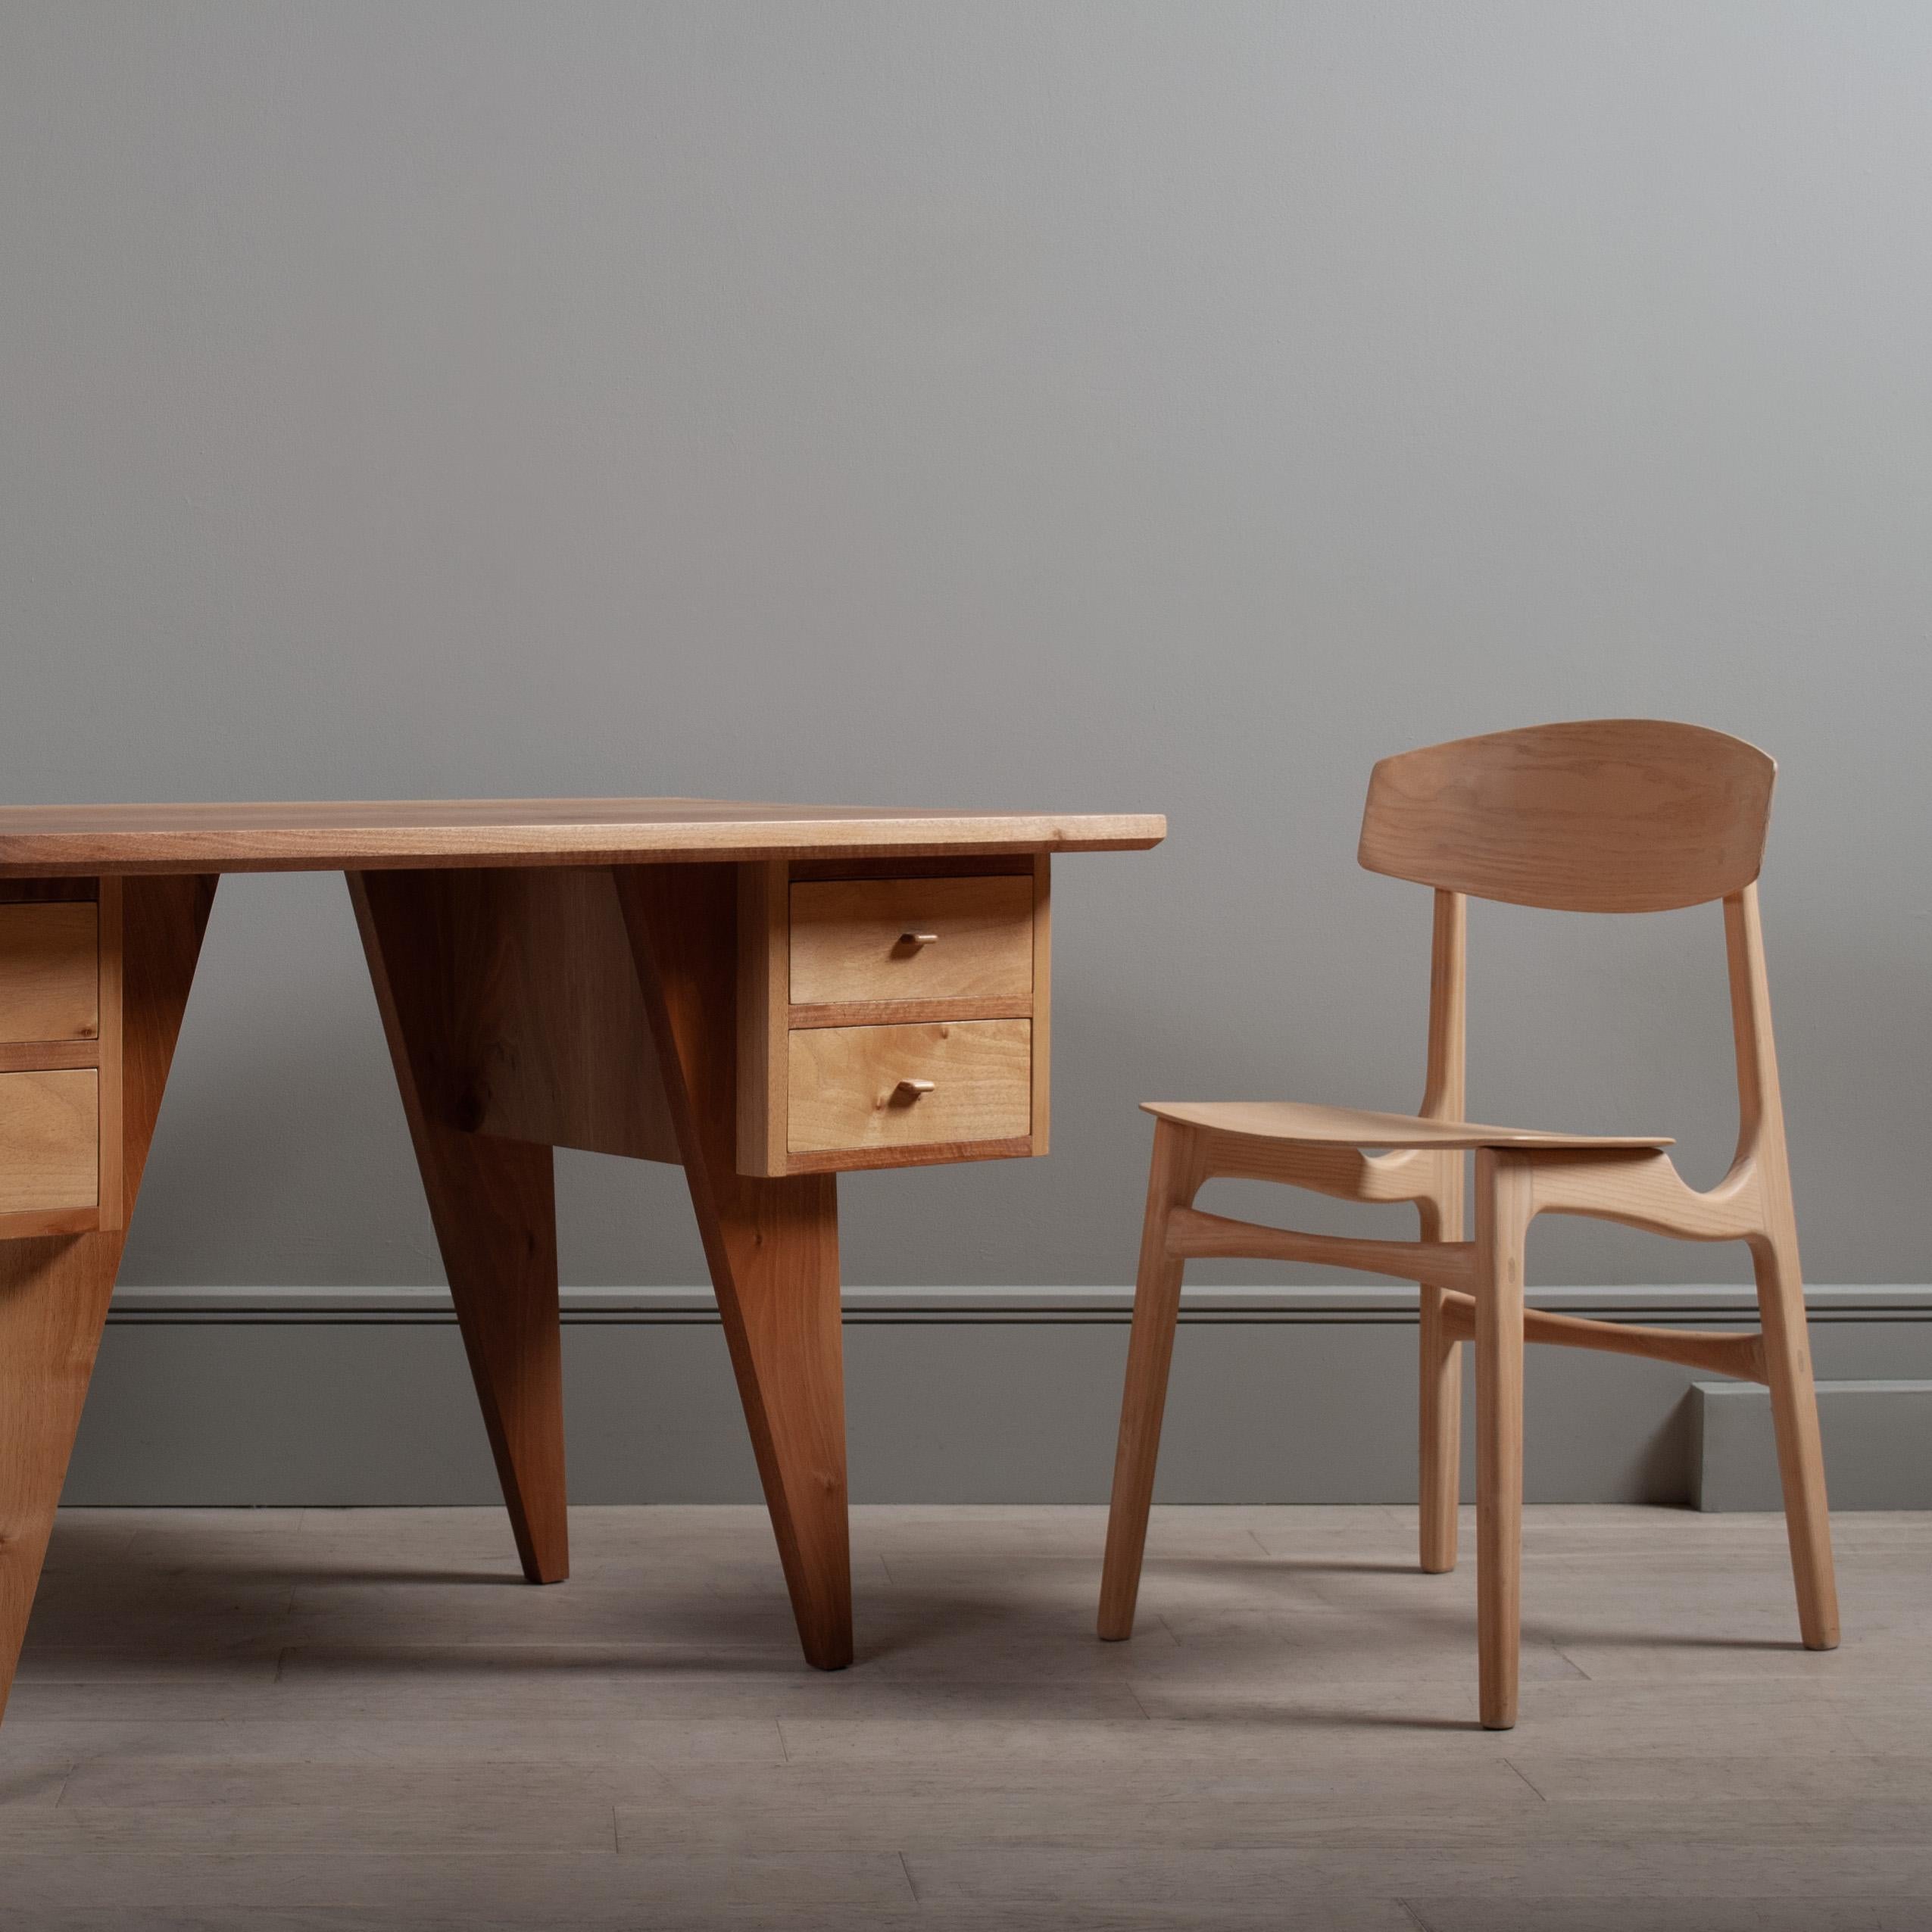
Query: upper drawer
x=912, y=939
x=50, y=971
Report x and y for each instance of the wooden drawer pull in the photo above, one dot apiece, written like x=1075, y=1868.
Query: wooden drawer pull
x=909, y=1090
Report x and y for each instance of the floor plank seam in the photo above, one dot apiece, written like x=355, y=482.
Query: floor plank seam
x=1526, y=1779
x=911, y=1883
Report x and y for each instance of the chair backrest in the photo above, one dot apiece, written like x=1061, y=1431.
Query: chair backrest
x=1610, y=815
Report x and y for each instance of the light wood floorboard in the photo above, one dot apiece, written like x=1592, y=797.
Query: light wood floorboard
x=291, y=1720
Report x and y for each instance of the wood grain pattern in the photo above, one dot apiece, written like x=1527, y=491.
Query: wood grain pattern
x=1504, y=1207
x=848, y=940
x=49, y=972
x=1614, y=817
x=50, y=1132
x=771, y=1243
x=553, y=1045
x=1717, y=1352
x=1617, y=814
x=54, y=1289
x=1173, y=1179
x=492, y=1201
x=1359, y=1127
x=381, y=835
x=764, y=954
x=1043, y=1003
x=847, y=1086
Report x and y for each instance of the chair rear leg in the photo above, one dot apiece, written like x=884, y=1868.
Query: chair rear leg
x=1440, y=1418
x=1503, y=1210
x=1172, y=1183
x=1441, y=1437
x=1794, y=1416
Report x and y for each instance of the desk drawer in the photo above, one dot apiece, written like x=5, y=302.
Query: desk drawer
x=49, y=971
x=50, y=1139
x=866, y=939
x=838, y=1008
x=942, y=1082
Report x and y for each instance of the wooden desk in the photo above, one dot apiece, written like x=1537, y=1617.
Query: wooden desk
x=764, y=994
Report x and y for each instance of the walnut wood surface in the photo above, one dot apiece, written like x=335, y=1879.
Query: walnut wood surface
x=848, y=940
x=50, y=1135
x=49, y=957
x=848, y=1091
x=771, y=1243
x=365, y=836
x=54, y=1290
x=492, y=1201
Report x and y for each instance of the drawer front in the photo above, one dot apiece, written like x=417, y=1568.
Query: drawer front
x=849, y=1085
x=49, y=971
x=50, y=1139
x=912, y=939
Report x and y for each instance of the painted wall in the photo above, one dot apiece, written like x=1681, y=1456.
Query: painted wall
x=1171, y=407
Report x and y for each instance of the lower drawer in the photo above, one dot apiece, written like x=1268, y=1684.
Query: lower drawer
x=50, y=1139
x=856, y=1088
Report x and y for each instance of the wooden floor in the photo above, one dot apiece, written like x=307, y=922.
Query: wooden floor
x=275, y=1719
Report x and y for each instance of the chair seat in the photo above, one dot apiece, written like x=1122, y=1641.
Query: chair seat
x=1359, y=1127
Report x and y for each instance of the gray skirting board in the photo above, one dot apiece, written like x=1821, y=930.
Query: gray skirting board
x=282, y=1397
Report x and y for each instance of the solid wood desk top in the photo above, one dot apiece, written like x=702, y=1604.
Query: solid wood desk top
x=43, y=841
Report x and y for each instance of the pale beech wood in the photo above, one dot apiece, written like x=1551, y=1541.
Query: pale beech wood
x=50, y=1131
x=851, y=1085
x=1715, y=1350
x=1444, y=1098
x=1503, y=1211
x=54, y=1288
x=1192, y=1235
x=771, y=1243
x=1612, y=815
x=378, y=835
x=492, y=1201
x=1761, y=1152
x=1359, y=1127
x=1620, y=815
x=49, y=956
x=850, y=941
x=1174, y=1179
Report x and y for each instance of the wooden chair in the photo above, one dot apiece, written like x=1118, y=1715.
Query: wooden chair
x=1619, y=815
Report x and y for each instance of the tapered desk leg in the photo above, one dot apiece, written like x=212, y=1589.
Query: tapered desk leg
x=494, y=1204
x=54, y=1291
x=772, y=1245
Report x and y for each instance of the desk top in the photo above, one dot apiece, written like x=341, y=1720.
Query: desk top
x=43, y=841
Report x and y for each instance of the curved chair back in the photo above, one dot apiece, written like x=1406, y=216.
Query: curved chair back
x=1608, y=815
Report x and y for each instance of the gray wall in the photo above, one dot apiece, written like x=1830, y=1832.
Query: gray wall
x=1170, y=407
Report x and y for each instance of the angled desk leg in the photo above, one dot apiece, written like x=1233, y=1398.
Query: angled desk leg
x=772, y=1245
x=493, y=1202
x=54, y=1289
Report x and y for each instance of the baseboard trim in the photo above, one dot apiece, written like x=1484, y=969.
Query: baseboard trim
x=1326, y=1304
x=234, y=1396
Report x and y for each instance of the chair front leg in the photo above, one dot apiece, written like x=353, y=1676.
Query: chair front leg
x=1504, y=1208
x=1172, y=1182
x=1794, y=1417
